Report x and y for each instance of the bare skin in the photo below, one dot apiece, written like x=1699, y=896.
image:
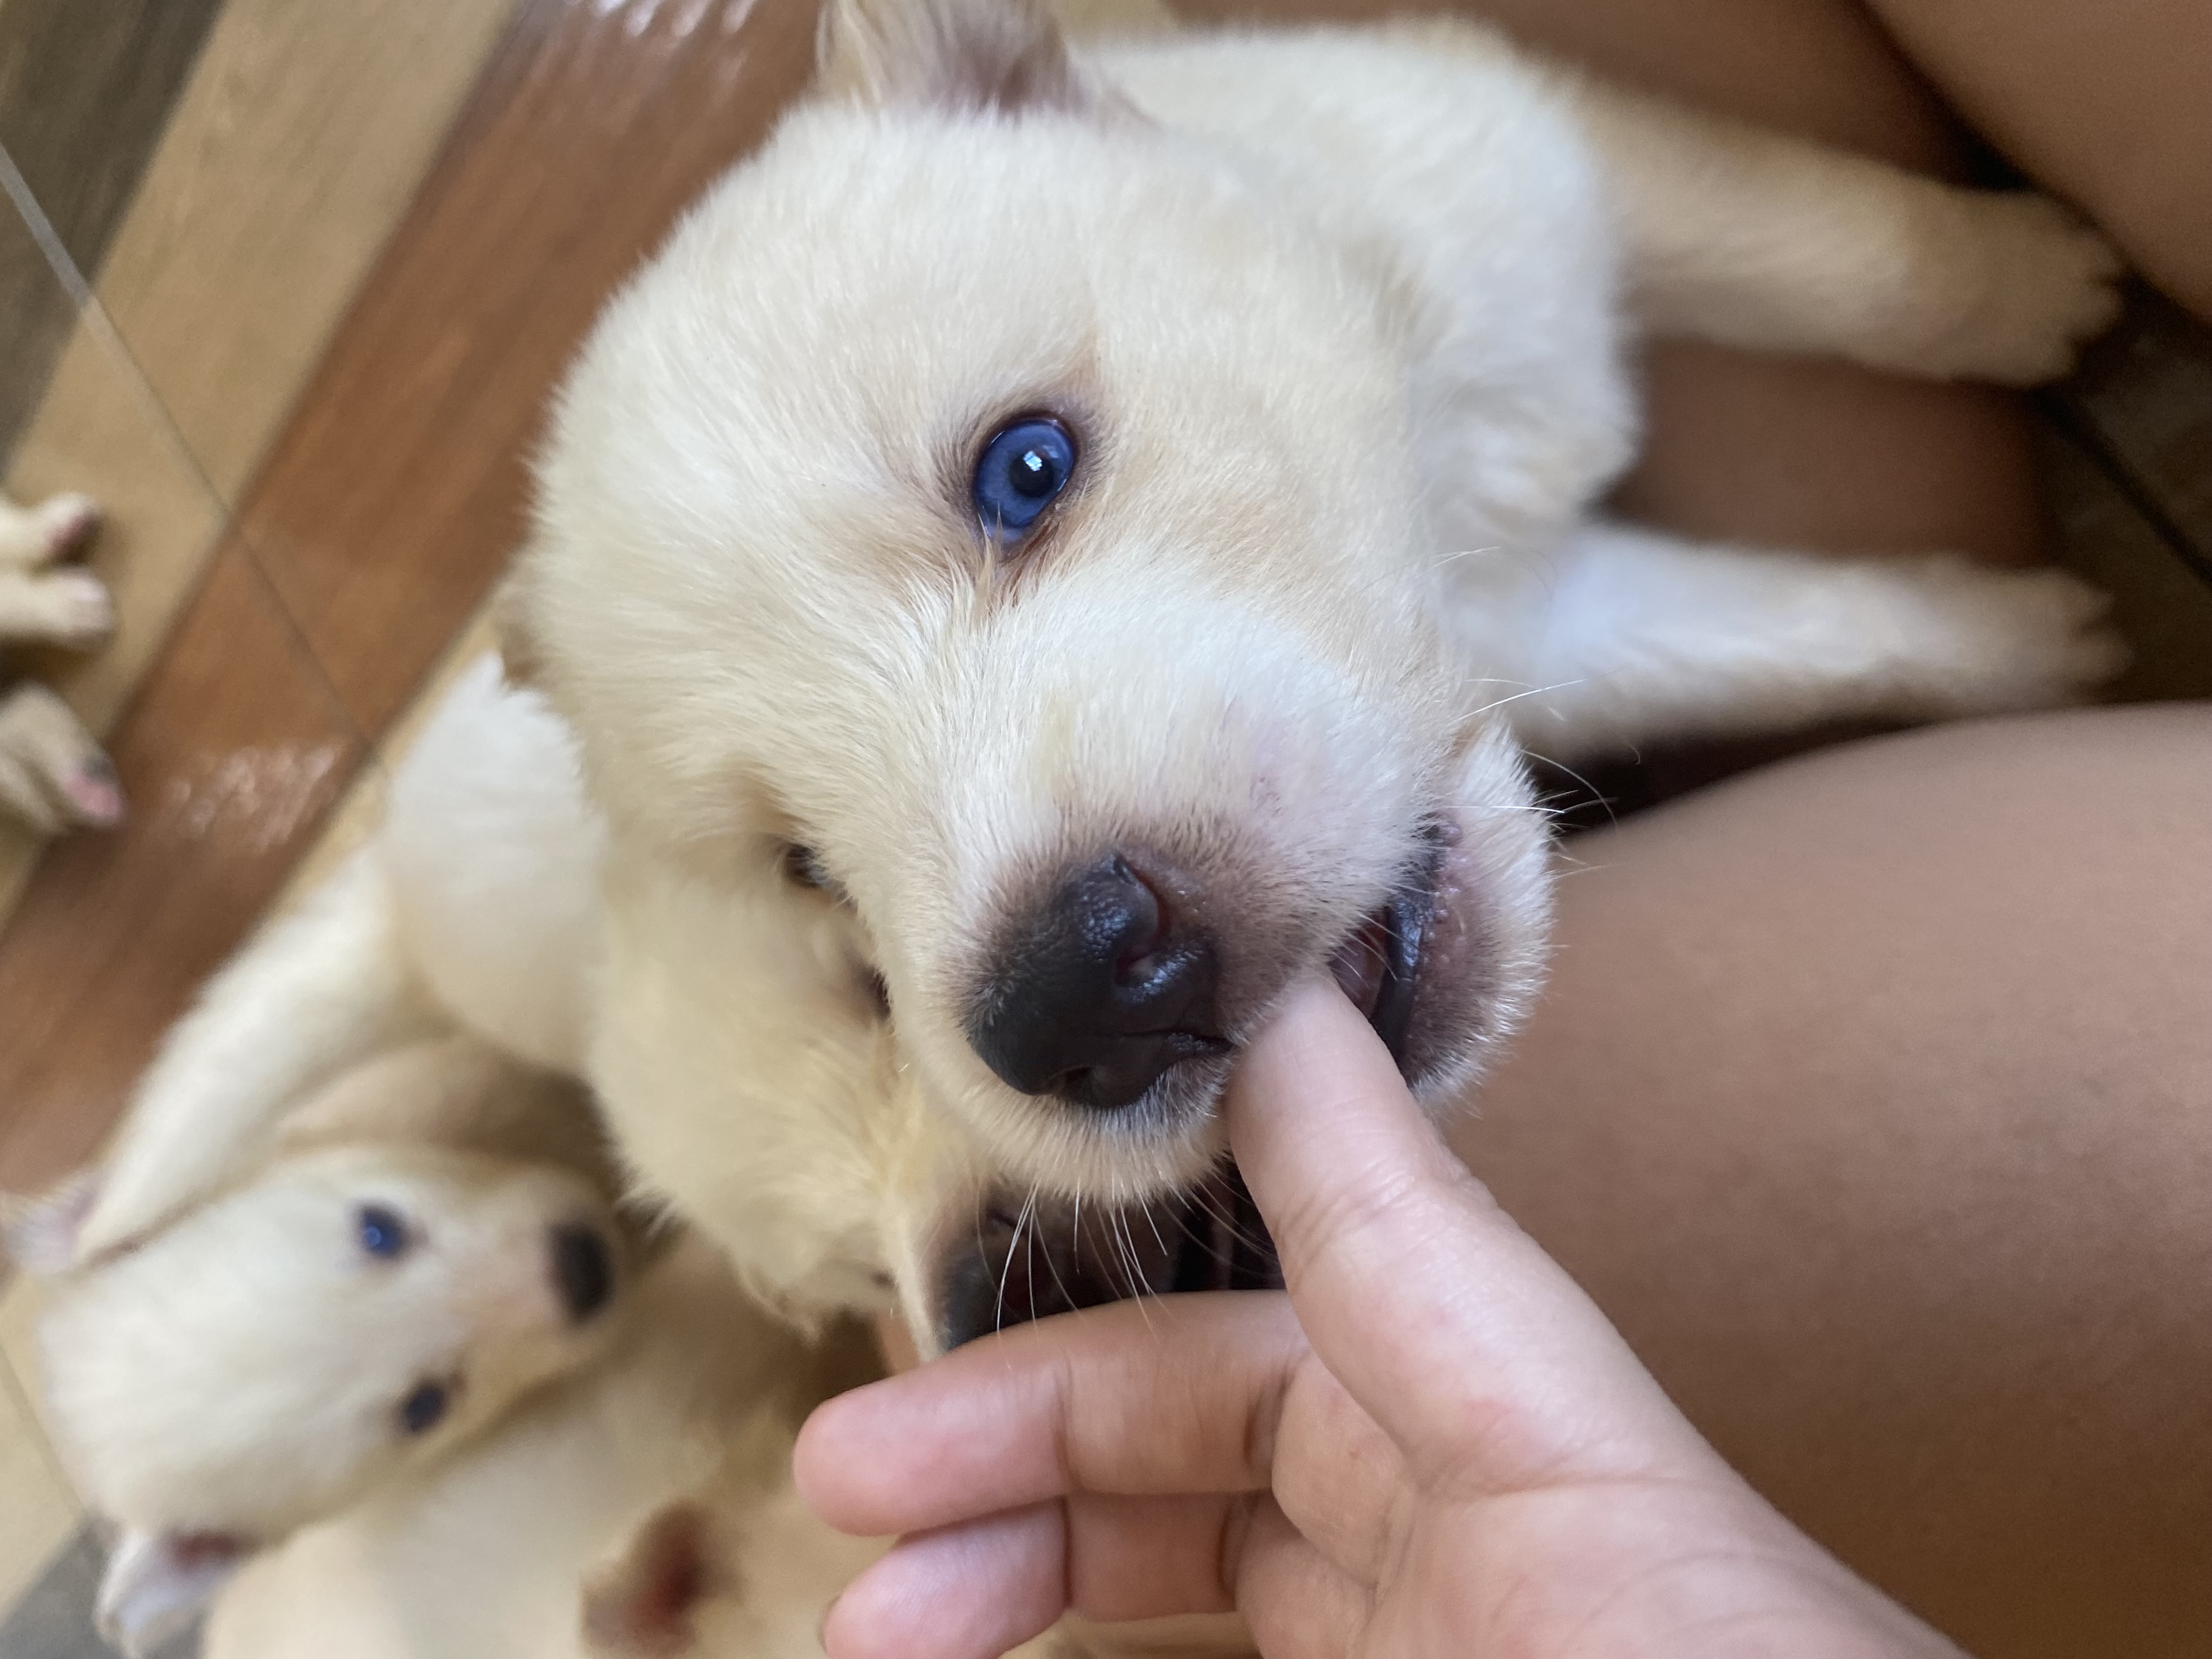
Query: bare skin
x=1872, y=1098
x=2108, y=104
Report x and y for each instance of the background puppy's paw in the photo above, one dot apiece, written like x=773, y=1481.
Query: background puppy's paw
x=94, y=793
x=52, y=776
x=67, y=521
x=2051, y=285
x=77, y=612
x=2003, y=639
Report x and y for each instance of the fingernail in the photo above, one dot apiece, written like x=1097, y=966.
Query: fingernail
x=822, y=1629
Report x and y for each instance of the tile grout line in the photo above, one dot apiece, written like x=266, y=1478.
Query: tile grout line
x=92, y=315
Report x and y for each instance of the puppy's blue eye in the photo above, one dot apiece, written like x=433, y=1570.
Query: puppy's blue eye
x=422, y=1410
x=1020, y=471
x=382, y=1232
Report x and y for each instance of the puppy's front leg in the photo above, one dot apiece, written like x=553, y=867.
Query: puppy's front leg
x=1752, y=238
x=326, y=986
x=1634, y=635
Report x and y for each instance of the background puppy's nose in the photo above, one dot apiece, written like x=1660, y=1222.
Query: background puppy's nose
x=583, y=1271
x=1098, y=992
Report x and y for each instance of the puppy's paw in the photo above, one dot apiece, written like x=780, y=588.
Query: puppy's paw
x=66, y=522
x=2048, y=285
x=54, y=775
x=1996, y=640
x=93, y=793
x=76, y=610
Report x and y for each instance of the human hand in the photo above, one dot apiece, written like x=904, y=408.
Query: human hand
x=1434, y=1444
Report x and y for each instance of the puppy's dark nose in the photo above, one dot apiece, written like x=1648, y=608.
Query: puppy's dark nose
x=583, y=1271
x=1098, y=991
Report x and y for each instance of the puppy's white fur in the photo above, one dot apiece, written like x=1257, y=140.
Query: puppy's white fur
x=492, y=1554
x=240, y=1372
x=1340, y=318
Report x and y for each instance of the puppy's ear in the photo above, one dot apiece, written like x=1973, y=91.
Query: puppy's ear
x=157, y=1583
x=1006, y=56
x=40, y=1233
x=641, y=1606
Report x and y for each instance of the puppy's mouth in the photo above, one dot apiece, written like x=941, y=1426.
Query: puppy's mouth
x=1379, y=967
x=1034, y=1258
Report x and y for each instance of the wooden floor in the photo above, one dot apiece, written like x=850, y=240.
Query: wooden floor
x=285, y=285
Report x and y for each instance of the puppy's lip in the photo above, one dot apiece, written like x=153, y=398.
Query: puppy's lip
x=1378, y=967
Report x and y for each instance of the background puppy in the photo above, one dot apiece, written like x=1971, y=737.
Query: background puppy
x=632, y=1481
x=429, y=1239
x=53, y=774
x=1061, y=543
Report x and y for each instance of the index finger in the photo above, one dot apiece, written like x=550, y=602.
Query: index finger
x=1422, y=1297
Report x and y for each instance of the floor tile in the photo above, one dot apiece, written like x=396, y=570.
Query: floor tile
x=99, y=431
x=2148, y=394
x=39, y=1512
x=397, y=489
x=233, y=753
x=36, y=315
x=2162, y=607
x=85, y=91
x=53, y=1617
x=21, y=1300
x=291, y=153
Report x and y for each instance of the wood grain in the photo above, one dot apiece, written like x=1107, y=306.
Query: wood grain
x=381, y=514
x=397, y=490
x=231, y=756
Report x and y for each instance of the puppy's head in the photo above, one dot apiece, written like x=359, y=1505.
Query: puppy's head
x=983, y=553
x=349, y=1312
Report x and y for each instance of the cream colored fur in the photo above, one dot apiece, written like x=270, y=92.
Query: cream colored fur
x=238, y=1373
x=492, y=1554
x=1342, y=318
x=53, y=774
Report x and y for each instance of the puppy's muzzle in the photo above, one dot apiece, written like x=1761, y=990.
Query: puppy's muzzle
x=583, y=1269
x=1099, y=990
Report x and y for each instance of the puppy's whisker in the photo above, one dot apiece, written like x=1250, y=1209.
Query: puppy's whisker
x=1006, y=1268
x=1596, y=794
x=1533, y=691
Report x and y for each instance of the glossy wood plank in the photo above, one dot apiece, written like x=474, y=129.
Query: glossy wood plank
x=231, y=755
x=391, y=500
x=300, y=139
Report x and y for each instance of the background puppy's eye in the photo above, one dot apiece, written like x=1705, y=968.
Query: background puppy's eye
x=802, y=868
x=1023, y=467
x=380, y=1231
x=424, y=1407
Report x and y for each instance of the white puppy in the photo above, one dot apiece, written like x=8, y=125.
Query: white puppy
x=1062, y=544
x=430, y=1239
x=641, y=1507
